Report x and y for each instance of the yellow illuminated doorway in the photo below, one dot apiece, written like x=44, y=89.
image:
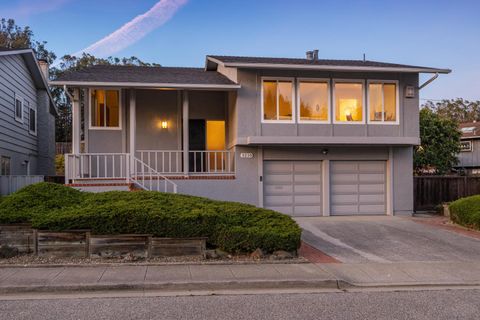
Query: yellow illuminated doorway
x=216, y=142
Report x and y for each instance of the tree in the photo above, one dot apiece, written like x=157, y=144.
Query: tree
x=440, y=143
x=458, y=109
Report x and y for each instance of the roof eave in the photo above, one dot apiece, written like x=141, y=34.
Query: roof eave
x=145, y=85
x=330, y=68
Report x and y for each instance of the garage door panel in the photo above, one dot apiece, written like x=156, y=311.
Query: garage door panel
x=357, y=187
x=307, y=211
x=293, y=187
x=371, y=177
x=308, y=189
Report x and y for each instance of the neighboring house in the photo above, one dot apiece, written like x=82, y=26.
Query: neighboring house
x=27, y=115
x=469, y=156
x=306, y=137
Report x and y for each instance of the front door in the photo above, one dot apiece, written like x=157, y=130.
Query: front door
x=197, y=142
x=206, y=137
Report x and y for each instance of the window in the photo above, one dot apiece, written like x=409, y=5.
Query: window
x=466, y=146
x=105, y=109
x=4, y=166
x=313, y=100
x=348, y=101
x=382, y=102
x=18, y=109
x=277, y=100
x=32, y=119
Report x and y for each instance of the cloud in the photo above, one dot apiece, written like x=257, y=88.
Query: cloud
x=27, y=8
x=135, y=30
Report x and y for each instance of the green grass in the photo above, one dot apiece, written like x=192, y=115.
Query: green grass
x=466, y=211
x=233, y=227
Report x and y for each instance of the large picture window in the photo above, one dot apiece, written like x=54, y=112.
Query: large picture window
x=313, y=101
x=277, y=100
x=349, y=101
x=382, y=102
x=105, y=108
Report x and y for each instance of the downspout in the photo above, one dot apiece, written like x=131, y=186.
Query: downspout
x=426, y=83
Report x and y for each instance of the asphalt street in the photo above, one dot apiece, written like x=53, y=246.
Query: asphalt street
x=434, y=304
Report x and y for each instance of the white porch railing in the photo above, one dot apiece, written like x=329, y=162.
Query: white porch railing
x=200, y=162
x=115, y=166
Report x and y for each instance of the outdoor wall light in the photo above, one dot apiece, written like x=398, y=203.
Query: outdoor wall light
x=164, y=124
x=325, y=151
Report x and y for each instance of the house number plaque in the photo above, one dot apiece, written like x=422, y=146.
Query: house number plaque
x=246, y=155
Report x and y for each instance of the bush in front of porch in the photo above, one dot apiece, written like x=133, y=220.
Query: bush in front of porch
x=466, y=211
x=233, y=227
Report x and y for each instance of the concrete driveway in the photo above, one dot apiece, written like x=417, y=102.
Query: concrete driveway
x=387, y=239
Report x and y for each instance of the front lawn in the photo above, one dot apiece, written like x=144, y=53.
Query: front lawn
x=466, y=211
x=233, y=227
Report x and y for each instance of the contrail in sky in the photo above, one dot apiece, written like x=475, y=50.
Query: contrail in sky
x=135, y=29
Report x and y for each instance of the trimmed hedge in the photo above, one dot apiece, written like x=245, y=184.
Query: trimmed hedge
x=37, y=199
x=233, y=227
x=466, y=211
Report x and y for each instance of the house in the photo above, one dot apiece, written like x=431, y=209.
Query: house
x=469, y=156
x=307, y=137
x=27, y=115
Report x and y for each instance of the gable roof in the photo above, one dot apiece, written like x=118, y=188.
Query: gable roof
x=319, y=64
x=136, y=76
x=35, y=71
x=470, y=130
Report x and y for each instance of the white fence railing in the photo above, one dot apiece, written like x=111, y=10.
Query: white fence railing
x=10, y=184
x=200, y=162
x=147, y=178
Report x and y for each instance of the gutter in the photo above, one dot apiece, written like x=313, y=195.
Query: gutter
x=426, y=83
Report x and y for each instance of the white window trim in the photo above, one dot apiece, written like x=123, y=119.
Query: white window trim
x=18, y=98
x=334, y=109
x=120, y=110
x=329, y=99
x=30, y=107
x=292, y=80
x=397, y=103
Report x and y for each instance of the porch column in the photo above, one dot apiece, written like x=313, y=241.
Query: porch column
x=132, y=121
x=185, y=131
x=76, y=122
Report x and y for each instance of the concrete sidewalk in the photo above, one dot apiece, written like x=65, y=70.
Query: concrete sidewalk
x=236, y=276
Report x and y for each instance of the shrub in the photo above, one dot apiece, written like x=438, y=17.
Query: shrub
x=466, y=211
x=37, y=199
x=233, y=227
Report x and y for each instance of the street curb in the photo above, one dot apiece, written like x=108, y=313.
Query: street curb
x=179, y=286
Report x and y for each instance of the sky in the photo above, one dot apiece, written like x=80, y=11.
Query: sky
x=437, y=33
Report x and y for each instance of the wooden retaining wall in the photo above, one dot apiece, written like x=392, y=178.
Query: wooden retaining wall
x=83, y=244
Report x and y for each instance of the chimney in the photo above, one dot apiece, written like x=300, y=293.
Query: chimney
x=43, y=65
x=312, y=55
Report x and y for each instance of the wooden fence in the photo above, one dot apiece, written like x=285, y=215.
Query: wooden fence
x=430, y=191
x=63, y=147
x=10, y=184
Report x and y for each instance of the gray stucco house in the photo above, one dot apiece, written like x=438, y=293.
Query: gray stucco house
x=307, y=137
x=27, y=115
x=469, y=156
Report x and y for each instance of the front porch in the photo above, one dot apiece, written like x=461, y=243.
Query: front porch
x=149, y=137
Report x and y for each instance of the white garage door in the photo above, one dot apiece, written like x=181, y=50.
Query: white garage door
x=357, y=187
x=293, y=187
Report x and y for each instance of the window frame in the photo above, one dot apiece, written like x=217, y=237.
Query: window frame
x=120, y=109
x=329, y=99
x=292, y=80
x=364, y=102
x=16, y=98
x=397, y=102
x=30, y=107
x=9, y=165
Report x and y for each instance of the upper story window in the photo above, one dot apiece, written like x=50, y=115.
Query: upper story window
x=105, y=109
x=348, y=101
x=314, y=100
x=277, y=104
x=4, y=166
x=18, y=109
x=382, y=102
x=32, y=118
